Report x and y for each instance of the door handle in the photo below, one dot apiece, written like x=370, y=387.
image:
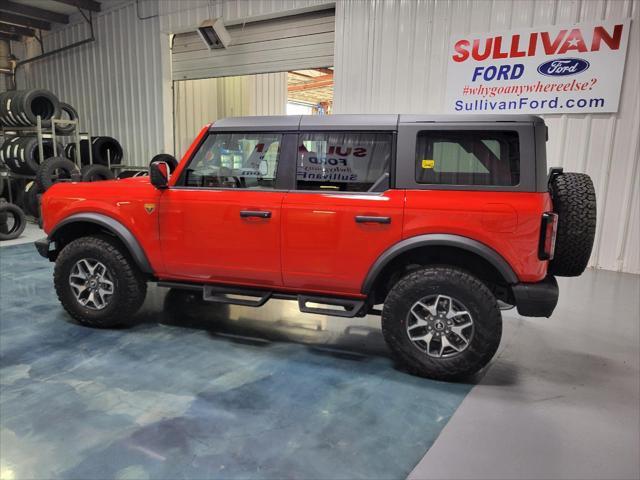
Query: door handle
x=255, y=213
x=369, y=219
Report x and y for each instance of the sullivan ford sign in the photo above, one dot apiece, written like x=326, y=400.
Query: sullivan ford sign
x=559, y=69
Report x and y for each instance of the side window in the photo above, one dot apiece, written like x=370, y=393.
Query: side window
x=344, y=161
x=235, y=160
x=469, y=157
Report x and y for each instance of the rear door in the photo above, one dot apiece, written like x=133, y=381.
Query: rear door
x=220, y=222
x=342, y=213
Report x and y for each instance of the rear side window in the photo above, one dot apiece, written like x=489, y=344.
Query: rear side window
x=235, y=160
x=471, y=157
x=344, y=161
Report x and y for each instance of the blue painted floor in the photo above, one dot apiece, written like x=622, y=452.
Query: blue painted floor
x=201, y=391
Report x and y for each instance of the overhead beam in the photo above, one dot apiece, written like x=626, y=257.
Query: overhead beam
x=324, y=70
x=16, y=30
x=7, y=36
x=24, y=21
x=83, y=4
x=313, y=85
x=34, y=12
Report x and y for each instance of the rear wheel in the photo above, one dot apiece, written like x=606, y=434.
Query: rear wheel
x=97, y=282
x=442, y=323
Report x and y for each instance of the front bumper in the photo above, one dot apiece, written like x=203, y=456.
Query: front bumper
x=536, y=299
x=42, y=246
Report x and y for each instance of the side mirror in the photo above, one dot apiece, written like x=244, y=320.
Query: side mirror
x=159, y=174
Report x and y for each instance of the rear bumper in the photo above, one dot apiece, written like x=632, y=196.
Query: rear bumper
x=536, y=299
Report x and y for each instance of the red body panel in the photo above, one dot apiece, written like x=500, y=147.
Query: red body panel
x=508, y=222
x=205, y=239
x=323, y=248
x=124, y=200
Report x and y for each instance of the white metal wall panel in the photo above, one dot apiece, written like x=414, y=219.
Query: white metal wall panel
x=391, y=57
x=259, y=47
x=114, y=83
x=199, y=102
x=177, y=16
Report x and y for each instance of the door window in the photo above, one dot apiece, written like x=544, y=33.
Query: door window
x=235, y=160
x=468, y=157
x=344, y=161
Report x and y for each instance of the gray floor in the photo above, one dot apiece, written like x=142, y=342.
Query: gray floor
x=561, y=400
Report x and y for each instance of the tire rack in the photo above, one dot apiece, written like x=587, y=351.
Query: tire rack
x=7, y=175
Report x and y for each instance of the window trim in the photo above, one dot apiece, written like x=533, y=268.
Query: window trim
x=392, y=160
x=406, y=156
x=426, y=132
x=281, y=169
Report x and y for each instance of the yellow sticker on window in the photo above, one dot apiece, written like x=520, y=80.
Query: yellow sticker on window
x=428, y=163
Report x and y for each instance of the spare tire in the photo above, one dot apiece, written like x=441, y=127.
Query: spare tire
x=13, y=223
x=54, y=169
x=168, y=159
x=96, y=173
x=574, y=200
x=72, y=114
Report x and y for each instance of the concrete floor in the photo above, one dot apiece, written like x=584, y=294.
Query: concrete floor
x=561, y=400
x=195, y=391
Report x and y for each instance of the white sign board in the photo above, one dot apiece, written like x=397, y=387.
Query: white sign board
x=559, y=69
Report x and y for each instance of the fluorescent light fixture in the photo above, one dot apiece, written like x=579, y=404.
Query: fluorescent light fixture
x=213, y=34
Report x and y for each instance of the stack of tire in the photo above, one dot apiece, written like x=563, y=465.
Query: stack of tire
x=22, y=156
x=104, y=151
x=20, y=108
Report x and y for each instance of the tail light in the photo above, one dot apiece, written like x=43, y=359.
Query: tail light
x=548, y=231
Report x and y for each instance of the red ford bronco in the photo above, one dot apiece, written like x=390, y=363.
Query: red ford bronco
x=436, y=223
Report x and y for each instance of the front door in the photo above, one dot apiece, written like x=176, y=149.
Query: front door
x=342, y=214
x=221, y=221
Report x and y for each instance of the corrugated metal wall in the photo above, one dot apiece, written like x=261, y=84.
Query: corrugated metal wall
x=289, y=43
x=198, y=102
x=177, y=16
x=114, y=83
x=391, y=57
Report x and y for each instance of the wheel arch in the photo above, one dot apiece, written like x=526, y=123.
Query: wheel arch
x=432, y=249
x=81, y=224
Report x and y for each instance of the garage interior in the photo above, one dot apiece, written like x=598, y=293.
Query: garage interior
x=191, y=389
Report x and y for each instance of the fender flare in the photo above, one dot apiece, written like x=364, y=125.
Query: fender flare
x=439, y=239
x=114, y=227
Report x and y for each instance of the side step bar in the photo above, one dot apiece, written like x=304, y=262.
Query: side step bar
x=345, y=307
x=235, y=296
x=334, y=306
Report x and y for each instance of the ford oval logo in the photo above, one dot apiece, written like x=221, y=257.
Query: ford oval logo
x=561, y=67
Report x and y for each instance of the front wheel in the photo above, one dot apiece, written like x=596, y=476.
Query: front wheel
x=97, y=282
x=442, y=323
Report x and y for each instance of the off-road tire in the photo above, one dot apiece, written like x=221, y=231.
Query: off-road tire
x=96, y=173
x=574, y=200
x=478, y=300
x=130, y=286
x=46, y=177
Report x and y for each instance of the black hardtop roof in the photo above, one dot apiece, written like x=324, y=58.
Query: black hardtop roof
x=358, y=121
